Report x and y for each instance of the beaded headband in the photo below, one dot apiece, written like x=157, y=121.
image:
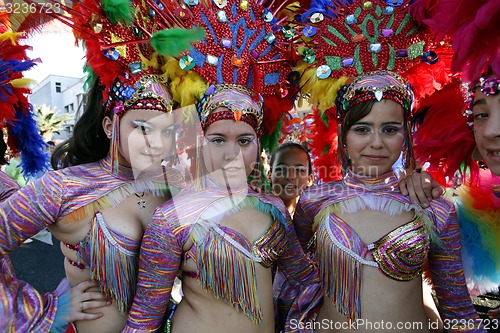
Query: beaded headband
x=237, y=104
x=489, y=86
x=376, y=85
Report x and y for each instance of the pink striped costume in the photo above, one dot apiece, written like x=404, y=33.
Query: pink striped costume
x=400, y=254
x=69, y=195
x=186, y=216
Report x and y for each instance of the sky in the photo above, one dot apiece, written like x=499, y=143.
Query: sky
x=55, y=47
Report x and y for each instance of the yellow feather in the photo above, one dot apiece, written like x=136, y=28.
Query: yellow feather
x=22, y=83
x=13, y=36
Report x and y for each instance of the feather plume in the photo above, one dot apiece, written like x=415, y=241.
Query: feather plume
x=443, y=139
x=175, y=40
x=323, y=145
x=473, y=27
x=118, y=11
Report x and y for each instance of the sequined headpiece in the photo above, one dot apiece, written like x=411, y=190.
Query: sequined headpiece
x=238, y=105
x=245, y=50
x=374, y=86
x=344, y=40
x=489, y=86
x=124, y=42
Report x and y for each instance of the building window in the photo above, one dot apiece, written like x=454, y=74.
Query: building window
x=58, y=87
x=70, y=108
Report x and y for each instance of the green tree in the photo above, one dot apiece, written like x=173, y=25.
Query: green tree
x=49, y=122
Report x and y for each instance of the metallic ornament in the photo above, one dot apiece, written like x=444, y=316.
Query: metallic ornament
x=323, y=71
x=186, y=63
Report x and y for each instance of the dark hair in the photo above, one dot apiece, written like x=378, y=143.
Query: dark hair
x=88, y=143
x=291, y=145
x=3, y=149
x=50, y=143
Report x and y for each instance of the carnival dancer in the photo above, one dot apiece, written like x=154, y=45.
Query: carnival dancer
x=22, y=307
x=219, y=235
x=119, y=157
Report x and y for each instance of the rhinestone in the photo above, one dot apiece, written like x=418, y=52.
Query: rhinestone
x=226, y=42
x=367, y=5
x=347, y=62
x=270, y=38
x=244, y=4
x=388, y=10
x=350, y=19
x=111, y=54
x=254, y=54
x=237, y=61
x=128, y=92
x=191, y=2
x=317, y=17
x=220, y=3
x=375, y=48
x=401, y=53
x=221, y=16
x=387, y=32
x=135, y=67
x=212, y=60
x=358, y=38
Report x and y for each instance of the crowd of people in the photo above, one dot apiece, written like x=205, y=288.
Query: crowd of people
x=163, y=179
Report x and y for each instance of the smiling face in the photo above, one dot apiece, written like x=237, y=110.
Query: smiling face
x=486, y=113
x=147, y=137
x=230, y=151
x=290, y=174
x=375, y=141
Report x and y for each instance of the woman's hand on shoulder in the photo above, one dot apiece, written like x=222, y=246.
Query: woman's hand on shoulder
x=421, y=187
x=82, y=299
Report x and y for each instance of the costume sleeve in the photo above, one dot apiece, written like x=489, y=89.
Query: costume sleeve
x=23, y=309
x=7, y=186
x=303, y=221
x=28, y=211
x=159, y=263
x=301, y=291
x=447, y=272
x=22, y=215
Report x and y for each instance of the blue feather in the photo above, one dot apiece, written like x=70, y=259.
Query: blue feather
x=34, y=158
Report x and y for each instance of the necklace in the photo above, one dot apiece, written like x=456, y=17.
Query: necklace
x=142, y=203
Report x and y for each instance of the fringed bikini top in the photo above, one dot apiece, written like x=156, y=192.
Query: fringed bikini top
x=225, y=260
x=340, y=252
x=112, y=259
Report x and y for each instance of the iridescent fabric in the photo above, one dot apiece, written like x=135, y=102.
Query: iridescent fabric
x=22, y=308
x=227, y=272
x=66, y=196
x=7, y=186
x=444, y=255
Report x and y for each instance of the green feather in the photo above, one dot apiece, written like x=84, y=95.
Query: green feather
x=174, y=41
x=118, y=11
x=269, y=142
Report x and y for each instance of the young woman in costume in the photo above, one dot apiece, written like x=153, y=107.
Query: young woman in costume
x=370, y=241
x=117, y=163
x=219, y=236
x=466, y=149
x=22, y=308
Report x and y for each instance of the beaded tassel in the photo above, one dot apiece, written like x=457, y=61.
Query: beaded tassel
x=229, y=274
x=109, y=260
x=115, y=145
x=341, y=275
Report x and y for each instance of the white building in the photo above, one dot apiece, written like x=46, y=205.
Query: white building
x=64, y=94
